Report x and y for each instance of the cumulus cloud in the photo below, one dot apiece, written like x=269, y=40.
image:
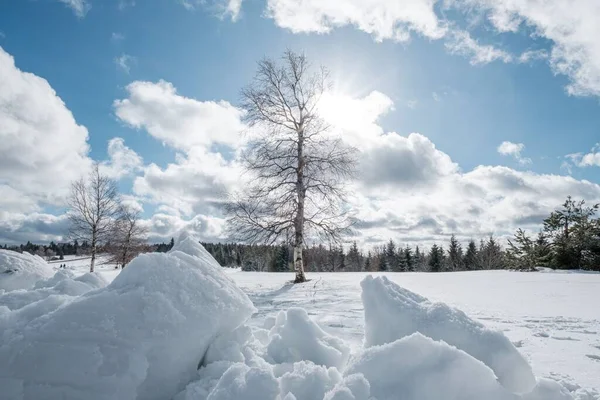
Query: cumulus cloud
x=42, y=148
x=571, y=26
x=590, y=159
x=179, y=121
x=79, y=7
x=122, y=161
x=16, y=228
x=514, y=149
x=383, y=19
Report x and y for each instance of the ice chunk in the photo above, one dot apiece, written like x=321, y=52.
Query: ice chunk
x=142, y=336
x=295, y=337
x=307, y=381
x=392, y=312
x=243, y=382
x=418, y=368
x=22, y=270
x=353, y=387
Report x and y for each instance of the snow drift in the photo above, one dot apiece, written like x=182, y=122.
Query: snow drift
x=392, y=312
x=296, y=338
x=21, y=270
x=142, y=336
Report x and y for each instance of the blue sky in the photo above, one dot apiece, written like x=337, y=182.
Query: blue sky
x=466, y=76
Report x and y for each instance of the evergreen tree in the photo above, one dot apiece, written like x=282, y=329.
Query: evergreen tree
x=354, y=258
x=390, y=257
x=368, y=262
x=455, y=255
x=436, y=258
x=409, y=259
x=471, y=257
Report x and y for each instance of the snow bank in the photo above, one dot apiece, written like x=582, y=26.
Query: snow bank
x=392, y=312
x=142, y=336
x=21, y=270
x=295, y=337
x=420, y=368
x=63, y=283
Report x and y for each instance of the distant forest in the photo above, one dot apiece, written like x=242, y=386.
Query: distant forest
x=570, y=239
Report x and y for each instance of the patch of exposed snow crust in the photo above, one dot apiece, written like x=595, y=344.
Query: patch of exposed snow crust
x=174, y=326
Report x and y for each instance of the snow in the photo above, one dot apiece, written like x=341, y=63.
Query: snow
x=294, y=337
x=178, y=326
x=21, y=270
x=142, y=336
x=392, y=312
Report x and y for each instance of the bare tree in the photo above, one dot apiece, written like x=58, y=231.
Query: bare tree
x=128, y=238
x=297, y=167
x=93, y=209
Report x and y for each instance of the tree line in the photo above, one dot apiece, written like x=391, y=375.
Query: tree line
x=569, y=239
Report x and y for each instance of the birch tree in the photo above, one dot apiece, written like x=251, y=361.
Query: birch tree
x=128, y=237
x=297, y=167
x=93, y=209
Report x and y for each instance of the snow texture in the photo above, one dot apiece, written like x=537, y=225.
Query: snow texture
x=142, y=336
x=392, y=312
x=21, y=270
x=294, y=337
x=420, y=368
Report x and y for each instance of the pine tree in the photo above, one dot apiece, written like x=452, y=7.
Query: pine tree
x=471, y=257
x=368, y=262
x=409, y=258
x=354, y=257
x=390, y=257
x=436, y=258
x=455, y=255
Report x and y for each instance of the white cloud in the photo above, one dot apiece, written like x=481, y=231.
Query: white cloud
x=79, y=7
x=591, y=159
x=532, y=55
x=116, y=36
x=122, y=160
x=437, y=97
x=17, y=228
x=222, y=8
x=461, y=43
x=195, y=183
x=123, y=4
x=42, y=148
x=514, y=149
x=383, y=19
x=179, y=121
x=124, y=62
x=572, y=26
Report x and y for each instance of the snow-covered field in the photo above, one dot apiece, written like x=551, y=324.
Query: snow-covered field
x=341, y=336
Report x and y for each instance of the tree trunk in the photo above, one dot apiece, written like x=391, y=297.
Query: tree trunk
x=94, y=239
x=299, y=221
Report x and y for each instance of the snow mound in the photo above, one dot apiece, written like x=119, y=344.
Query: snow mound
x=243, y=382
x=307, y=381
x=422, y=369
x=21, y=270
x=295, y=337
x=189, y=244
x=62, y=283
x=392, y=312
x=142, y=336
